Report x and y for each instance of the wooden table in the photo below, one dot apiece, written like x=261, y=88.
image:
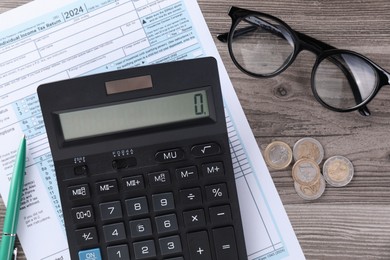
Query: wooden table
x=352, y=222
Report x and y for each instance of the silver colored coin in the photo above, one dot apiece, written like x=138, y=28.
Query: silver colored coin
x=312, y=192
x=278, y=155
x=308, y=148
x=338, y=171
x=306, y=172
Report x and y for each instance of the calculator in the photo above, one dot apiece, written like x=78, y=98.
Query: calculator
x=143, y=163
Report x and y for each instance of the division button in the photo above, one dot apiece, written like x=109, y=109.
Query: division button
x=191, y=197
x=225, y=243
x=205, y=149
x=199, y=246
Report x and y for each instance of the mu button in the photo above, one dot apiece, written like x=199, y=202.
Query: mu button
x=169, y=155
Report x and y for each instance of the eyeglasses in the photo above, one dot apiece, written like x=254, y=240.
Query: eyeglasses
x=263, y=46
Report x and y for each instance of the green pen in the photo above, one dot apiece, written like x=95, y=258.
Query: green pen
x=13, y=205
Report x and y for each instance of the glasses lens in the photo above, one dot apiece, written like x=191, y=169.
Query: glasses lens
x=344, y=80
x=261, y=45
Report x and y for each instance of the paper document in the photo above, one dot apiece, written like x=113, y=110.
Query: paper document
x=46, y=41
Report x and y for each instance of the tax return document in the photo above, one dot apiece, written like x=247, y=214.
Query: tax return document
x=46, y=41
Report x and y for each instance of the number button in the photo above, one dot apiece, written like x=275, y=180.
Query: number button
x=110, y=210
x=166, y=223
x=140, y=228
x=170, y=245
x=120, y=252
x=82, y=215
x=114, y=232
x=163, y=201
x=144, y=249
x=137, y=206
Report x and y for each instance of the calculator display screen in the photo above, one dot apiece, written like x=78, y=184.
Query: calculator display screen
x=89, y=122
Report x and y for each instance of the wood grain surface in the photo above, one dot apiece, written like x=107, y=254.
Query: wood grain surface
x=352, y=222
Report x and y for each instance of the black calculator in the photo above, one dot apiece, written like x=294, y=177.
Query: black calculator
x=143, y=163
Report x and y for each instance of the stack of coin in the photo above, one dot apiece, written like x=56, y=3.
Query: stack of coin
x=308, y=154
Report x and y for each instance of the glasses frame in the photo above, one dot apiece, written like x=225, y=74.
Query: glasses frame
x=304, y=42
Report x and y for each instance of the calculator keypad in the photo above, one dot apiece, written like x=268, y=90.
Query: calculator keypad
x=178, y=210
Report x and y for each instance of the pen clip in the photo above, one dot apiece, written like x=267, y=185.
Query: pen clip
x=15, y=253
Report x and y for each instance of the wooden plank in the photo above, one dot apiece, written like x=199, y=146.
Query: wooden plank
x=345, y=223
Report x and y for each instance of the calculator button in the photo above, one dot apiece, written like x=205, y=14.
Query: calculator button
x=170, y=245
x=163, y=201
x=80, y=170
x=107, y=187
x=194, y=218
x=220, y=214
x=133, y=183
x=144, y=249
x=136, y=206
x=175, y=258
x=110, y=210
x=86, y=236
x=140, y=227
x=213, y=169
x=191, y=197
x=159, y=178
x=216, y=192
x=124, y=163
x=205, y=149
x=199, y=246
x=169, y=155
x=225, y=243
x=166, y=223
x=187, y=173
x=120, y=252
x=114, y=232
x=82, y=215
x=90, y=254
x=79, y=192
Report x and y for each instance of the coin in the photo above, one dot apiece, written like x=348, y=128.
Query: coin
x=338, y=171
x=306, y=172
x=312, y=192
x=278, y=155
x=308, y=148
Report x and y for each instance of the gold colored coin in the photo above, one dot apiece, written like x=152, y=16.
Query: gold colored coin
x=312, y=192
x=338, y=171
x=306, y=172
x=308, y=148
x=278, y=155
